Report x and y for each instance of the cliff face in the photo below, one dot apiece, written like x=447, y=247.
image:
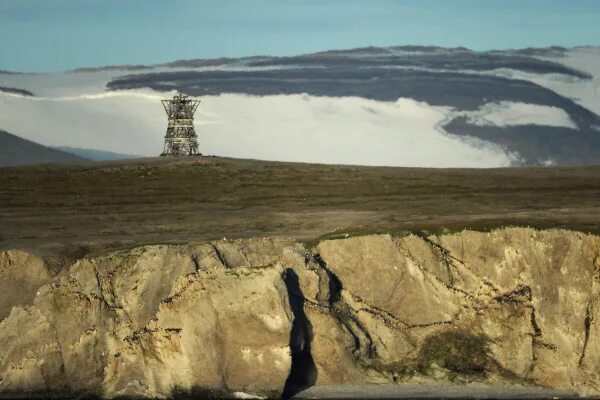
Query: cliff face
x=267, y=317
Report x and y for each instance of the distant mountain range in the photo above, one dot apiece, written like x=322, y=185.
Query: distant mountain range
x=17, y=151
x=22, y=92
x=96, y=155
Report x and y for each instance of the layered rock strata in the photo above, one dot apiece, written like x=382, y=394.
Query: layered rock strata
x=268, y=317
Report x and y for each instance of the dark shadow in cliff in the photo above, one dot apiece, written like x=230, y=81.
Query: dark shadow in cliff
x=335, y=285
x=303, y=373
x=364, y=348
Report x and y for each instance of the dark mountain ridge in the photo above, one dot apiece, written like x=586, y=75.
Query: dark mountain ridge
x=18, y=151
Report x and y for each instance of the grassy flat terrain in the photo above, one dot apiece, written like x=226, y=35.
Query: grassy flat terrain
x=77, y=208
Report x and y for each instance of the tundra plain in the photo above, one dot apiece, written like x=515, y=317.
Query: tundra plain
x=71, y=210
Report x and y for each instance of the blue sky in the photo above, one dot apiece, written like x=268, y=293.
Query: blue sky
x=55, y=35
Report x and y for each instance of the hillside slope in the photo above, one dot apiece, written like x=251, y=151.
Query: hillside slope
x=17, y=151
x=96, y=155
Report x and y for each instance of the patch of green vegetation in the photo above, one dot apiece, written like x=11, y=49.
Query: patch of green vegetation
x=460, y=352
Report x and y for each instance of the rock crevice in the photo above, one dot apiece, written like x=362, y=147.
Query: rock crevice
x=303, y=371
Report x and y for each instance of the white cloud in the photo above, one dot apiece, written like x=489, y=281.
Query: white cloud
x=287, y=128
x=127, y=122
x=584, y=92
x=66, y=84
x=508, y=113
x=60, y=84
x=347, y=130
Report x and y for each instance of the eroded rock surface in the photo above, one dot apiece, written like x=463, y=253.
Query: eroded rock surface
x=21, y=275
x=268, y=317
x=149, y=321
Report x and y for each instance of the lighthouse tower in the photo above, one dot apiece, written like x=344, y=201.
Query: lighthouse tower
x=181, y=138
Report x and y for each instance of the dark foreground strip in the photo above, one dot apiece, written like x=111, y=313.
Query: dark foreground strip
x=433, y=392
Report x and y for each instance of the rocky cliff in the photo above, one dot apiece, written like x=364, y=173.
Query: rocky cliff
x=268, y=317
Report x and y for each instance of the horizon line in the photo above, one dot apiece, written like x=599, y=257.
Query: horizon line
x=89, y=68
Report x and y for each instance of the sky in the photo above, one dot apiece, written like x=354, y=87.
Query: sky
x=59, y=35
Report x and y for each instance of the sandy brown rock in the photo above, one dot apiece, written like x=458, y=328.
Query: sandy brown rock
x=557, y=269
x=513, y=306
x=332, y=346
x=150, y=320
x=30, y=354
x=21, y=275
x=507, y=326
x=530, y=296
x=375, y=269
x=218, y=329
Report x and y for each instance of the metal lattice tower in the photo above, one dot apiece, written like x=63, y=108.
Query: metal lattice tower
x=181, y=138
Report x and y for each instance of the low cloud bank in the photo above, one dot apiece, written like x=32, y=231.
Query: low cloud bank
x=347, y=130
x=131, y=123
x=585, y=92
x=302, y=128
x=508, y=113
